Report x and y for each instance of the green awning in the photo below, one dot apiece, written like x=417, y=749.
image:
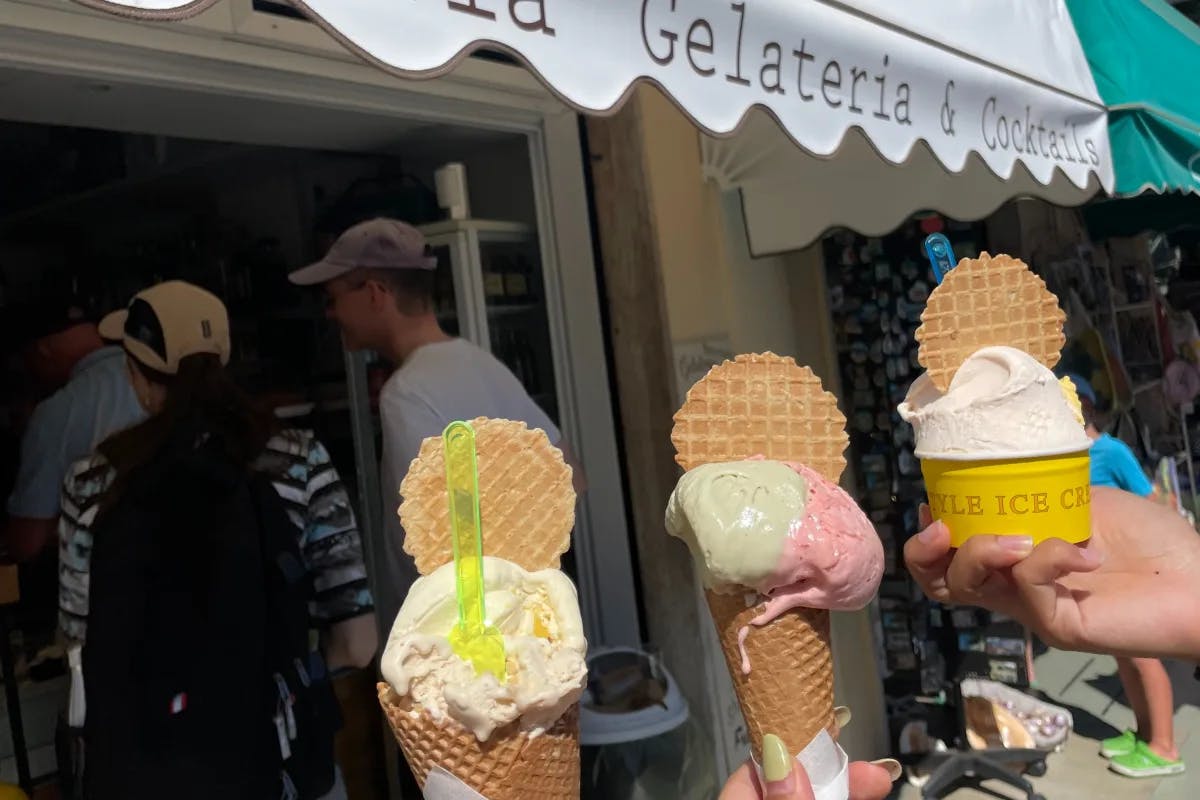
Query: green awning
x=1145, y=58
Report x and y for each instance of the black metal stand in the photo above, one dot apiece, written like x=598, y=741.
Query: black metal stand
x=12, y=696
x=953, y=769
x=957, y=768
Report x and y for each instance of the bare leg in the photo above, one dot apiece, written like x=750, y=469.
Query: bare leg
x=1135, y=691
x=1160, y=707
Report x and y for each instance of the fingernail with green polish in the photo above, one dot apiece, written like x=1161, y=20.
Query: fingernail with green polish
x=777, y=761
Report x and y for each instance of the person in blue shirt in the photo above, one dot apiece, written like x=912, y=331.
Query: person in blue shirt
x=89, y=398
x=92, y=398
x=1149, y=751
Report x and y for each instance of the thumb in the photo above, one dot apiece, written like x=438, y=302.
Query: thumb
x=783, y=777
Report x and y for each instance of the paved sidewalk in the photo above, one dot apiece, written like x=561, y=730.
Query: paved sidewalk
x=1088, y=686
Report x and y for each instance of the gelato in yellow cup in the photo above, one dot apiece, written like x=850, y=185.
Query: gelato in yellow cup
x=1043, y=497
x=1004, y=450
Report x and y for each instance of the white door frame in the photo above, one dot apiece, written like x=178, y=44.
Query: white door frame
x=225, y=51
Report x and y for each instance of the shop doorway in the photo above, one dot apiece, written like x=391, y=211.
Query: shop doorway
x=112, y=185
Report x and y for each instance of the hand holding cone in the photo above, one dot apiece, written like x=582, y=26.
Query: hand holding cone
x=765, y=405
x=526, y=511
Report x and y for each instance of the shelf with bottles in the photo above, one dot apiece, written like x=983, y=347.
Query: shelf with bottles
x=511, y=278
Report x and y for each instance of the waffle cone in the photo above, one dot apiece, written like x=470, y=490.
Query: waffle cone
x=761, y=405
x=510, y=765
x=526, y=500
x=789, y=690
x=983, y=302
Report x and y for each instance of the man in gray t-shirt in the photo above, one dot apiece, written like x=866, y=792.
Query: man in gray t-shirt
x=378, y=279
x=94, y=399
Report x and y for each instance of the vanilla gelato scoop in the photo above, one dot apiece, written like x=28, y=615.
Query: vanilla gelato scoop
x=1001, y=402
x=780, y=529
x=538, y=615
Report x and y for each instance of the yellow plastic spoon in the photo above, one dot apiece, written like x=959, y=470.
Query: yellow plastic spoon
x=472, y=639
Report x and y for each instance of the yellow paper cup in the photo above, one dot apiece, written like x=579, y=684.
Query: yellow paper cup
x=1046, y=497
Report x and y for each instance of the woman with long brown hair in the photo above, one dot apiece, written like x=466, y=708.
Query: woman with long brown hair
x=198, y=552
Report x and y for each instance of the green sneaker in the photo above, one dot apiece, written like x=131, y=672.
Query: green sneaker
x=1121, y=745
x=1144, y=763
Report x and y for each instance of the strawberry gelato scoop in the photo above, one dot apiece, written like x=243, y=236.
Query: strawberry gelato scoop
x=780, y=529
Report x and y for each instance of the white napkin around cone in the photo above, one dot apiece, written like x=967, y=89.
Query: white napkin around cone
x=827, y=766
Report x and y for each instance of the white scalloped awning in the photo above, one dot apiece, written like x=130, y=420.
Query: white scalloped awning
x=989, y=86
x=790, y=198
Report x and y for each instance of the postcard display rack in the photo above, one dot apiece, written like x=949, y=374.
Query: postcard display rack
x=878, y=288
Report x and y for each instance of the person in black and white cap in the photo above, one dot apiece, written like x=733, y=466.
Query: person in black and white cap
x=378, y=279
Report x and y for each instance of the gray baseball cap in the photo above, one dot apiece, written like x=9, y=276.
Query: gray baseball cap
x=374, y=244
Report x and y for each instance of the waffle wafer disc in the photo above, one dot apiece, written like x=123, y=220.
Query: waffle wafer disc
x=761, y=404
x=526, y=500
x=984, y=302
